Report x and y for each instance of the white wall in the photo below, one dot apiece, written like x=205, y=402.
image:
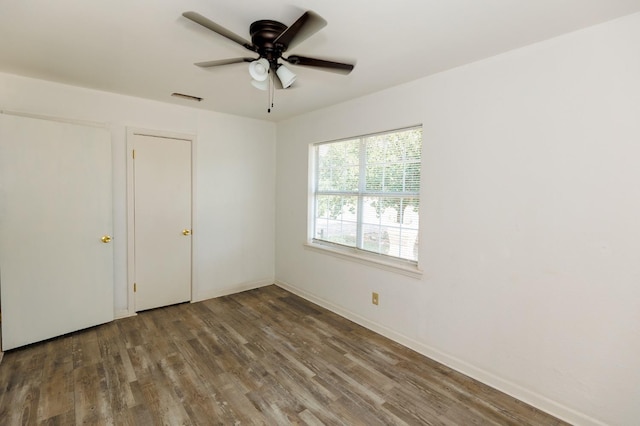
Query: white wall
x=530, y=238
x=235, y=178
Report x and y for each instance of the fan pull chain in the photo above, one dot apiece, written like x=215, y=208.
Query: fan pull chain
x=272, y=92
x=269, y=94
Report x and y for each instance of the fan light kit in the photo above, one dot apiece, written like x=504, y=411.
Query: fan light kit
x=270, y=39
x=259, y=69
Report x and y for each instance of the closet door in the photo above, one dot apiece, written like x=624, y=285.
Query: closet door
x=56, y=259
x=162, y=224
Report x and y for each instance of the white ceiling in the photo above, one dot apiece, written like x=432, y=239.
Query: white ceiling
x=145, y=48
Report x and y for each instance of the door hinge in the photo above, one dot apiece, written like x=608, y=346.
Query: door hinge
x=135, y=287
x=133, y=154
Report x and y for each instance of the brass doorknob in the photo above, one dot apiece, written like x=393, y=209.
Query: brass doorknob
x=186, y=232
x=106, y=239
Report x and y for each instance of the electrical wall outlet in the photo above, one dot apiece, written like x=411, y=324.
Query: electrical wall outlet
x=375, y=298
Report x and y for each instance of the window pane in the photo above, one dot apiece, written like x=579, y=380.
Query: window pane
x=375, y=149
x=394, y=178
x=338, y=166
x=371, y=210
x=374, y=177
x=412, y=140
x=374, y=235
x=339, y=179
x=336, y=219
x=412, y=177
x=393, y=161
x=395, y=148
x=375, y=239
x=394, y=223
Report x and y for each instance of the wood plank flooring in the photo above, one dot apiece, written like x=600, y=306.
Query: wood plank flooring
x=263, y=356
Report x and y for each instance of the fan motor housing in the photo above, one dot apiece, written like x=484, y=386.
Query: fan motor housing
x=263, y=34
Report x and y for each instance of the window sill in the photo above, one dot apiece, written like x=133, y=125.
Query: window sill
x=370, y=260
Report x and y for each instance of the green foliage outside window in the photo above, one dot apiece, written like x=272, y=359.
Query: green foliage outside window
x=378, y=173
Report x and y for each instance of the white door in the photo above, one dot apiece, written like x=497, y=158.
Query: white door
x=162, y=220
x=56, y=273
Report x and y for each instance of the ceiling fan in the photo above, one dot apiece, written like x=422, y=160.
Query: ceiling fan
x=270, y=40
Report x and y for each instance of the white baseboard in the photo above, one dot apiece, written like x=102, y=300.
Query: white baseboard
x=219, y=292
x=197, y=297
x=532, y=398
x=123, y=313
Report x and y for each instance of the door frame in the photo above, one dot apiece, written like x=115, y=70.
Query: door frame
x=131, y=132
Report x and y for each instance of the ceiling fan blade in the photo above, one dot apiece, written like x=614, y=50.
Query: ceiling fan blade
x=209, y=64
x=337, y=67
x=306, y=25
x=207, y=23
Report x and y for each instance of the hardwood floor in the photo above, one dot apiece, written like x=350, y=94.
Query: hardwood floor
x=263, y=356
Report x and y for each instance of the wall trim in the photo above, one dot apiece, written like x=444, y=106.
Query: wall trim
x=87, y=123
x=123, y=313
x=359, y=256
x=532, y=398
x=237, y=288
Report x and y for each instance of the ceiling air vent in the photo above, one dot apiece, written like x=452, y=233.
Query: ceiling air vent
x=188, y=97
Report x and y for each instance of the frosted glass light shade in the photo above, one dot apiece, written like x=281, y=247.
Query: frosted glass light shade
x=259, y=69
x=262, y=85
x=286, y=76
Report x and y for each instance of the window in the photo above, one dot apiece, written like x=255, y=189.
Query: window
x=366, y=193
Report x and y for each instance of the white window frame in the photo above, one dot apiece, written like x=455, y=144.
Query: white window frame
x=390, y=263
